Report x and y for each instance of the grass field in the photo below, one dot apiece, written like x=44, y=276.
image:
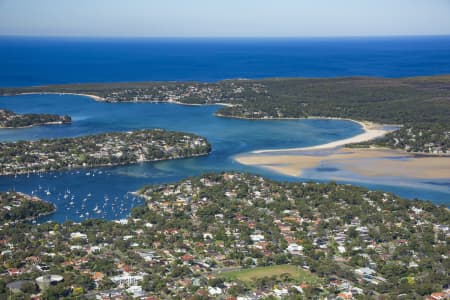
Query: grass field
x=250, y=275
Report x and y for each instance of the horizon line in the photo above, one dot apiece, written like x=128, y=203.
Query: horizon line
x=220, y=37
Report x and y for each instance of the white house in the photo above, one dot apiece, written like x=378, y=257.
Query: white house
x=294, y=249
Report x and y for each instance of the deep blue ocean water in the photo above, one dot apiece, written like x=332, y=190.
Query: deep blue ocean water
x=40, y=61
x=30, y=61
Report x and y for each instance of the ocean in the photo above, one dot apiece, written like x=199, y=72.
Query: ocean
x=41, y=61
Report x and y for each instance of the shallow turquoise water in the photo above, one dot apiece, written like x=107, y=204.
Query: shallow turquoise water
x=78, y=193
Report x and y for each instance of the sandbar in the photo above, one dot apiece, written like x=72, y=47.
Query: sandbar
x=371, y=131
x=371, y=162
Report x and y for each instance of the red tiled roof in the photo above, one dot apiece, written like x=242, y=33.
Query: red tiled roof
x=187, y=257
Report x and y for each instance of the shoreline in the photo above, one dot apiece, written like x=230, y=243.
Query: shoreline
x=41, y=215
x=37, y=124
x=371, y=132
x=96, y=98
x=101, y=99
x=182, y=103
x=99, y=166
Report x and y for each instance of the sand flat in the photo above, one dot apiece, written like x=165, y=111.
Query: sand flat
x=366, y=162
x=413, y=167
x=291, y=165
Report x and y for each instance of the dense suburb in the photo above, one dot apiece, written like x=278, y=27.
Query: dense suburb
x=107, y=149
x=16, y=207
x=9, y=119
x=192, y=238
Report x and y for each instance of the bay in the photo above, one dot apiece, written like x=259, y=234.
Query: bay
x=104, y=192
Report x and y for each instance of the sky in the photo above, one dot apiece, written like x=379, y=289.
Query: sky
x=224, y=18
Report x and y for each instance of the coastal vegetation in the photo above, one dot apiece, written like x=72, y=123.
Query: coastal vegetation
x=9, y=119
x=420, y=104
x=106, y=149
x=16, y=207
x=426, y=138
x=234, y=234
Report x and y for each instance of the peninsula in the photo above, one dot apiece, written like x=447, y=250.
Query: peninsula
x=108, y=149
x=18, y=207
x=9, y=119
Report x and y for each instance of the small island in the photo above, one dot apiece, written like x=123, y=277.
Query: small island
x=9, y=119
x=108, y=149
x=18, y=207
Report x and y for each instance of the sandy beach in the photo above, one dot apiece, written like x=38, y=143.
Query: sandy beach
x=371, y=131
x=96, y=98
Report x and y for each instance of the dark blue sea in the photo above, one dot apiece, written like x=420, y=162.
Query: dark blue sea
x=104, y=192
x=41, y=61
